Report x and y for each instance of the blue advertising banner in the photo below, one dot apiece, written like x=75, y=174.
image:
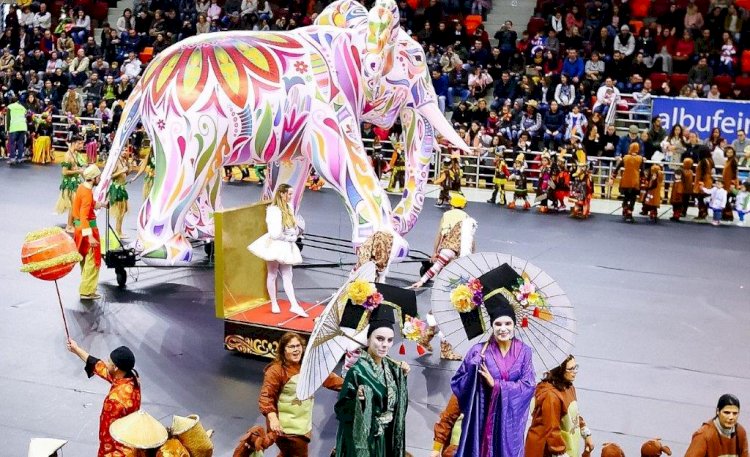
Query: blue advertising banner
x=702, y=115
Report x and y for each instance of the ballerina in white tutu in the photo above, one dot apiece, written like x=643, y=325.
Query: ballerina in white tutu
x=278, y=248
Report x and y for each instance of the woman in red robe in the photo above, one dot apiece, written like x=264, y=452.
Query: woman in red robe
x=124, y=395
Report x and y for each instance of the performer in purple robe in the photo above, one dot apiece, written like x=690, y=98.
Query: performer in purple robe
x=495, y=382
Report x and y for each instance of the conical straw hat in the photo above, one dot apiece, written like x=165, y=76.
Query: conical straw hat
x=139, y=430
x=44, y=447
x=182, y=424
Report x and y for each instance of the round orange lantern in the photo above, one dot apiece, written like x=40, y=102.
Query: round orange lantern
x=49, y=254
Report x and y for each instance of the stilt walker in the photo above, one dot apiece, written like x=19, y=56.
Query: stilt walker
x=454, y=239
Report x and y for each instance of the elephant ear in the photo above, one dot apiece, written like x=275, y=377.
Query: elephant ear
x=382, y=34
x=346, y=14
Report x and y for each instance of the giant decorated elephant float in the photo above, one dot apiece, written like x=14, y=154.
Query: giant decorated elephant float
x=296, y=98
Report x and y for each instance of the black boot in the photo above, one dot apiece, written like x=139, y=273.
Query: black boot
x=494, y=196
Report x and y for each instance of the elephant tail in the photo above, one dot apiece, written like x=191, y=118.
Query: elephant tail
x=131, y=116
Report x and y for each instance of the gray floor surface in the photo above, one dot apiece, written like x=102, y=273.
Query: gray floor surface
x=663, y=316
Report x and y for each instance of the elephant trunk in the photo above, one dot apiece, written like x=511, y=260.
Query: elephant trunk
x=432, y=113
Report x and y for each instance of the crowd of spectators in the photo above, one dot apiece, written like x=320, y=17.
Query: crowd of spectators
x=556, y=80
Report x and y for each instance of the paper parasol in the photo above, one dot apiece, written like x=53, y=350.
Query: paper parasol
x=328, y=342
x=546, y=323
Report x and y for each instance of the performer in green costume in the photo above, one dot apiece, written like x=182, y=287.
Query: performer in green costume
x=372, y=404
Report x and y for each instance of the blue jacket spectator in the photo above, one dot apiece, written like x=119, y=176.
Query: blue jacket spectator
x=573, y=66
x=625, y=140
x=505, y=89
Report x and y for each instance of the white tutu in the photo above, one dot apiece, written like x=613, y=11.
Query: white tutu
x=276, y=245
x=268, y=249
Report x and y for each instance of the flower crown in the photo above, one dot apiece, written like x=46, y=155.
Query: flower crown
x=364, y=294
x=467, y=295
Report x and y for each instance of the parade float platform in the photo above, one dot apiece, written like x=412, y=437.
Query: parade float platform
x=255, y=331
x=241, y=298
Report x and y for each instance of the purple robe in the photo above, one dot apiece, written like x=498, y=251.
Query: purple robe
x=494, y=419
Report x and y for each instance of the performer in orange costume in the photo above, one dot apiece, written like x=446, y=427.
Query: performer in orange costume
x=86, y=232
x=124, y=396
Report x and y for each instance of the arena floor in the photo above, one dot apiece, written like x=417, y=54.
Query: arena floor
x=663, y=316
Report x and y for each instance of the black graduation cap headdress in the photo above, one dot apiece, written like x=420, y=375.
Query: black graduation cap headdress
x=497, y=286
x=402, y=302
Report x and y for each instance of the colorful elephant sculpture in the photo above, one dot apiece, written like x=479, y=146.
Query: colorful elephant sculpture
x=295, y=99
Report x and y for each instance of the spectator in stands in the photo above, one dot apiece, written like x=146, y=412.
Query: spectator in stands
x=531, y=122
x=160, y=43
x=565, y=93
x=646, y=45
x=573, y=66
x=715, y=139
x=478, y=82
x=72, y=102
x=203, y=25
x=741, y=143
x=728, y=58
x=609, y=141
x=94, y=89
x=478, y=56
x=440, y=84
x=124, y=87
x=43, y=18
x=81, y=27
x=665, y=44
x=125, y=22
x=214, y=11
x=704, y=47
x=450, y=59
x=618, y=68
x=693, y=19
x=91, y=48
x=626, y=140
x=553, y=42
x=554, y=127
x=480, y=112
x=607, y=97
x=507, y=38
x=733, y=22
x=459, y=83
x=64, y=45
x=79, y=66
x=624, y=41
x=594, y=68
x=713, y=93
x=683, y=52
x=132, y=66
x=700, y=76
x=576, y=123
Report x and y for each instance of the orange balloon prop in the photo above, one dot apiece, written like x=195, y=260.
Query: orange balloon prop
x=49, y=254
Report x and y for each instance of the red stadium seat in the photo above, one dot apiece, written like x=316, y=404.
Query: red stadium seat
x=746, y=61
x=678, y=80
x=99, y=11
x=743, y=82
x=635, y=27
x=657, y=79
x=639, y=8
x=471, y=23
x=146, y=56
x=536, y=24
x=743, y=4
x=725, y=84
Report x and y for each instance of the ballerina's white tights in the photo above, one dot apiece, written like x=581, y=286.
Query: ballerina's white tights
x=274, y=268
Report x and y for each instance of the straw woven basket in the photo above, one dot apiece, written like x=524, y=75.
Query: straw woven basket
x=173, y=448
x=192, y=435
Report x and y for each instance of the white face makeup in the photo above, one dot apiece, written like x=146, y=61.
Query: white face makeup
x=293, y=351
x=380, y=341
x=502, y=328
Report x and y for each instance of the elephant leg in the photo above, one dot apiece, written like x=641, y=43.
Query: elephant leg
x=199, y=221
x=294, y=173
x=189, y=150
x=333, y=143
x=418, y=138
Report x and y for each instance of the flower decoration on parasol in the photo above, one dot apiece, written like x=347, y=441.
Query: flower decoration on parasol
x=467, y=286
x=344, y=322
x=50, y=254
